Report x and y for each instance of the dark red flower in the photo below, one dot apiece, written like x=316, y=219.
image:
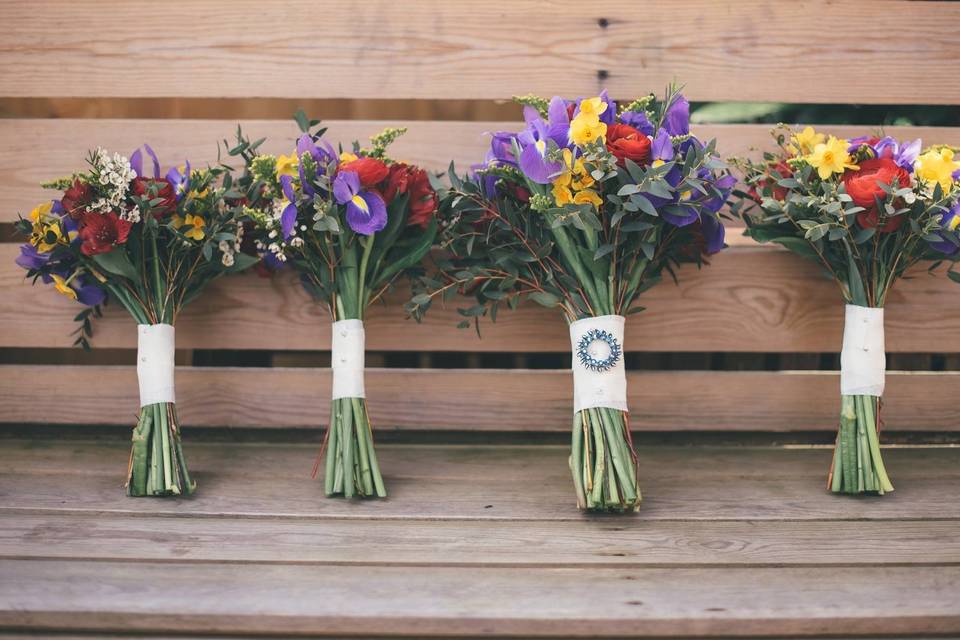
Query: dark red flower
x=778, y=192
x=370, y=170
x=625, y=141
x=101, y=232
x=413, y=180
x=76, y=199
x=863, y=187
x=520, y=192
x=157, y=188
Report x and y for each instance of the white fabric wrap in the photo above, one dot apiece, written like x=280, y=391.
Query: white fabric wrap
x=346, y=359
x=863, y=361
x=598, y=388
x=155, y=350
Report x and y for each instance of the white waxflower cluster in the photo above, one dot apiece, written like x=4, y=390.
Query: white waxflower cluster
x=114, y=174
x=229, y=249
x=274, y=243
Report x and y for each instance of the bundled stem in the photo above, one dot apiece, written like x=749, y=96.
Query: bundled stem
x=603, y=462
x=857, y=464
x=157, y=465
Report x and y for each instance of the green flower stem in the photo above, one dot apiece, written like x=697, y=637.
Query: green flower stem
x=137, y=476
x=333, y=443
x=858, y=466
x=158, y=466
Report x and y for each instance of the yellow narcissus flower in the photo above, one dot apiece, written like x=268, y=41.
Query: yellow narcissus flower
x=588, y=196
x=937, y=166
x=593, y=106
x=63, y=286
x=197, y=224
x=805, y=141
x=586, y=127
x=287, y=165
x=346, y=156
x=831, y=157
x=573, y=185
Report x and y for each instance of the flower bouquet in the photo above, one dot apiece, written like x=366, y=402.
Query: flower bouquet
x=350, y=223
x=866, y=210
x=584, y=210
x=151, y=244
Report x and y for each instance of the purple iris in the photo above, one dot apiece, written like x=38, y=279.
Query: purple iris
x=88, y=294
x=501, y=148
x=609, y=115
x=638, y=120
x=136, y=162
x=288, y=217
x=30, y=258
x=534, y=141
x=903, y=154
x=947, y=246
x=180, y=181
x=322, y=155
x=713, y=232
x=676, y=120
x=366, y=211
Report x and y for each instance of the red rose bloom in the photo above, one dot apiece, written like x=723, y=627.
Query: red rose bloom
x=76, y=199
x=863, y=187
x=413, y=180
x=162, y=188
x=624, y=142
x=101, y=232
x=370, y=170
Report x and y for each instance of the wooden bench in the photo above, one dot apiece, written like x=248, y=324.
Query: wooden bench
x=480, y=536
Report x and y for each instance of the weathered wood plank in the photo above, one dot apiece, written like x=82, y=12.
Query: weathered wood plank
x=472, y=544
x=475, y=399
x=749, y=50
x=58, y=147
x=478, y=483
x=749, y=299
x=275, y=599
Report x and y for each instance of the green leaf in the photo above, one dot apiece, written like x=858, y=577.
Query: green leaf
x=545, y=299
x=118, y=263
x=412, y=257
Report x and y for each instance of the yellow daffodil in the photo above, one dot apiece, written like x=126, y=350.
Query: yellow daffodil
x=346, y=156
x=63, y=286
x=805, y=142
x=41, y=212
x=592, y=106
x=588, y=196
x=586, y=128
x=937, y=166
x=573, y=185
x=197, y=224
x=831, y=157
x=287, y=165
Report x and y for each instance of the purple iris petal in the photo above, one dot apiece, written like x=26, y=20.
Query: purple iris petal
x=535, y=165
x=136, y=162
x=677, y=118
x=725, y=184
x=557, y=112
x=501, y=148
x=30, y=258
x=369, y=217
x=638, y=120
x=288, y=220
x=662, y=147
x=947, y=247
x=713, y=232
x=681, y=216
x=908, y=154
x=609, y=115
x=180, y=181
x=345, y=186
x=88, y=294
x=57, y=208
x=286, y=183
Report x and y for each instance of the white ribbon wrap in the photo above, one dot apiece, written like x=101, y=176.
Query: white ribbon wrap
x=863, y=361
x=346, y=359
x=598, y=388
x=155, y=350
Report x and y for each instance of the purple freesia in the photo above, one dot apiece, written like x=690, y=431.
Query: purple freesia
x=288, y=217
x=180, y=181
x=366, y=210
x=30, y=258
x=676, y=120
x=136, y=162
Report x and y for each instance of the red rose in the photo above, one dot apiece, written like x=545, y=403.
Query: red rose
x=370, y=170
x=863, y=187
x=76, y=199
x=778, y=192
x=624, y=142
x=413, y=180
x=157, y=188
x=101, y=232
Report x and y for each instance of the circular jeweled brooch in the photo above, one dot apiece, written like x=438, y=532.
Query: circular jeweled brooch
x=590, y=361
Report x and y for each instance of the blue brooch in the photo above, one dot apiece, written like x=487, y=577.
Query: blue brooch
x=587, y=360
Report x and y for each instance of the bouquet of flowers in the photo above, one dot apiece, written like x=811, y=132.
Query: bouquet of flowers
x=583, y=210
x=866, y=210
x=152, y=244
x=350, y=223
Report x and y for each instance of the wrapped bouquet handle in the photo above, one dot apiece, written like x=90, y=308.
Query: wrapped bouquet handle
x=156, y=345
x=599, y=376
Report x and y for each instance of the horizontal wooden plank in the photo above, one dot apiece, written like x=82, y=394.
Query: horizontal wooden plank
x=431, y=482
x=475, y=399
x=746, y=50
x=58, y=147
x=478, y=543
x=274, y=599
x=750, y=298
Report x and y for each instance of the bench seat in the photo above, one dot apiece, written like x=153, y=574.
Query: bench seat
x=476, y=541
